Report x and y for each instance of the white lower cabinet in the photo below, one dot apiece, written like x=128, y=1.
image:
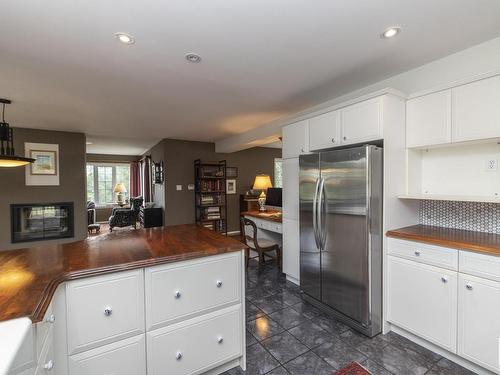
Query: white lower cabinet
x=104, y=309
x=479, y=321
x=423, y=300
x=197, y=345
x=291, y=249
x=125, y=357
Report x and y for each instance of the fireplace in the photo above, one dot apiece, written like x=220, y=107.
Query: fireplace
x=41, y=221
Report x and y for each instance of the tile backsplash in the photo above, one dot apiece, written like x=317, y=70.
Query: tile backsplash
x=482, y=217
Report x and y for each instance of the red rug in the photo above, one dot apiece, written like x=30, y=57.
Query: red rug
x=353, y=368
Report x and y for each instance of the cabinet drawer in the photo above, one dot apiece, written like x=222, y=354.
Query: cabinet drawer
x=424, y=253
x=182, y=290
x=195, y=346
x=47, y=364
x=43, y=328
x=104, y=309
x=481, y=265
x=125, y=357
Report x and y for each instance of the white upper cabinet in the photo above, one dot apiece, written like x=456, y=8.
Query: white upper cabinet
x=362, y=122
x=295, y=139
x=428, y=120
x=476, y=110
x=324, y=131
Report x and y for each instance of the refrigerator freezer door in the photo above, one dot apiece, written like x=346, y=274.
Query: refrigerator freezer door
x=310, y=262
x=345, y=250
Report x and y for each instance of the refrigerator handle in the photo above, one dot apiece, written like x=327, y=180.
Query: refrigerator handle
x=315, y=214
x=321, y=213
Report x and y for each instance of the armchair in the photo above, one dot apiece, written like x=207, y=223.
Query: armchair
x=124, y=217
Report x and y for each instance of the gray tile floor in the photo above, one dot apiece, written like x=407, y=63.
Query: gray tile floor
x=286, y=335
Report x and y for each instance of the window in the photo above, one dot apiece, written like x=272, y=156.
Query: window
x=101, y=181
x=278, y=172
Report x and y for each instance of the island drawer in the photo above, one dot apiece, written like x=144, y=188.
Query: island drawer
x=104, y=309
x=186, y=289
x=196, y=345
x=125, y=357
x=481, y=265
x=424, y=253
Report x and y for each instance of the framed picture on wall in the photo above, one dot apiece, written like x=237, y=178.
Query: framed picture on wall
x=45, y=162
x=231, y=172
x=231, y=186
x=45, y=171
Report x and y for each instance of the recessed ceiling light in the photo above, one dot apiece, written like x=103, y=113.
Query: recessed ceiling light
x=125, y=38
x=193, y=58
x=390, y=32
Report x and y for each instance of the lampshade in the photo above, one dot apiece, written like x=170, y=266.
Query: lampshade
x=262, y=182
x=120, y=188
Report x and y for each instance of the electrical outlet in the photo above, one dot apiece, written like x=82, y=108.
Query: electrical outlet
x=491, y=165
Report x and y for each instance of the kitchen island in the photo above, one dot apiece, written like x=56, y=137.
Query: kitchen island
x=95, y=303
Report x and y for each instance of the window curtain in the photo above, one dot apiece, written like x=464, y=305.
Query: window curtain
x=135, y=179
x=146, y=179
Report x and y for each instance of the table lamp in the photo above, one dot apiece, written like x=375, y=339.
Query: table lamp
x=262, y=182
x=120, y=191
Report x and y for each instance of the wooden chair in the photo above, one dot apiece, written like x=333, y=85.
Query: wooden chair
x=262, y=246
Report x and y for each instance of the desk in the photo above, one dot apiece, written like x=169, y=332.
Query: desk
x=269, y=224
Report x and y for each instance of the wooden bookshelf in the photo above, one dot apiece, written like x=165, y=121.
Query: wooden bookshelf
x=210, y=195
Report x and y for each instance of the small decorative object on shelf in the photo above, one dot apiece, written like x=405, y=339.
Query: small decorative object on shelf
x=210, y=195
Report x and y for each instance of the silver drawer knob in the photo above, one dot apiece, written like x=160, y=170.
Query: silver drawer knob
x=345, y=138
x=219, y=283
x=444, y=279
x=468, y=286
x=49, y=365
x=108, y=311
x=333, y=140
x=177, y=294
x=302, y=150
x=50, y=319
x=220, y=339
x=178, y=356
x=417, y=253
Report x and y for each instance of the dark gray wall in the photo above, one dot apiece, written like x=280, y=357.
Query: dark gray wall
x=179, y=157
x=71, y=179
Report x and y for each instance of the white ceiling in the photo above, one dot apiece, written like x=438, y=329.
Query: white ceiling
x=262, y=59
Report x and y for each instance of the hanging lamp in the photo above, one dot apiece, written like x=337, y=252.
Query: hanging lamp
x=8, y=157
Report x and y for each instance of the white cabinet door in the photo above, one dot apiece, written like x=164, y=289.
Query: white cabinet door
x=324, y=131
x=362, y=122
x=126, y=357
x=295, y=139
x=478, y=321
x=291, y=188
x=428, y=120
x=291, y=249
x=476, y=110
x=423, y=300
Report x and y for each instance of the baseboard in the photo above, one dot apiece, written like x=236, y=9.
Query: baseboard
x=443, y=352
x=234, y=233
x=293, y=280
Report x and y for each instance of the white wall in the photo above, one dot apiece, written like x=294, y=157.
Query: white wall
x=476, y=60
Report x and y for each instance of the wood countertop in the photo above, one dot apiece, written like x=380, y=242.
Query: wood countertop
x=29, y=277
x=270, y=215
x=480, y=242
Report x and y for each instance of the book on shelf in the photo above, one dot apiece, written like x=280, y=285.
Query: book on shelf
x=215, y=185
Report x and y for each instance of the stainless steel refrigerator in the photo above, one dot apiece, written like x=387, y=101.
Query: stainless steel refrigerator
x=341, y=234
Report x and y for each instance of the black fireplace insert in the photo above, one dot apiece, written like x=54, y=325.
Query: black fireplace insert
x=41, y=221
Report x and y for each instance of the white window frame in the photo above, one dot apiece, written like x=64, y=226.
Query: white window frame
x=113, y=181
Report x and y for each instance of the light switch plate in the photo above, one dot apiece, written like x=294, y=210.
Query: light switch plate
x=178, y=187
x=191, y=187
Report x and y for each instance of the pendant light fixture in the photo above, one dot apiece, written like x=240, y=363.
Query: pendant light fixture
x=8, y=156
